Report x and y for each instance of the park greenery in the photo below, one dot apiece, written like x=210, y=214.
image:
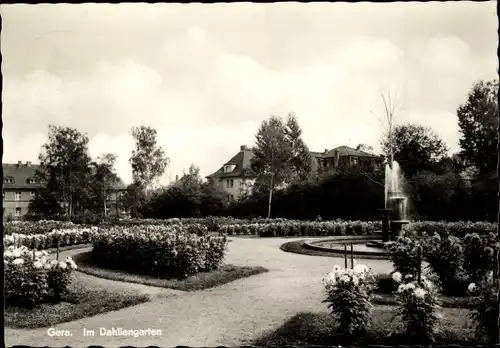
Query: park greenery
x=440, y=186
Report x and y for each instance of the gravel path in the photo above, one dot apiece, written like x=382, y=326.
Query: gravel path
x=230, y=315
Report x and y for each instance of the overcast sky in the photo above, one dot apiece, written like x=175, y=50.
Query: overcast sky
x=205, y=76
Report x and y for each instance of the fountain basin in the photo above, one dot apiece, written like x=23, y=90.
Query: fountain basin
x=336, y=245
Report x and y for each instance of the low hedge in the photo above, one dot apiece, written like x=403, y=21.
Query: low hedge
x=167, y=251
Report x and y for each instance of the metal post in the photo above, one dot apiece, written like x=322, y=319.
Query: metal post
x=345, y=255
x=58, y=241
x=419, y=259
x=352, y=257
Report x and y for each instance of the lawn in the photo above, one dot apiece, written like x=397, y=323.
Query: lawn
x=83, y=300
x=200, y=281
x=307, y=328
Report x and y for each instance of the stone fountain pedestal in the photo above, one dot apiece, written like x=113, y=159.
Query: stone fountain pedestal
x=393, y=216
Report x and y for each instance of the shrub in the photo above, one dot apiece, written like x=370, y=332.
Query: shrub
x=403, y=254
x=418, y=305
x=485, y=312
x=479, y=255
x=31, y=278
x=348, y=296
x=445, y=257
x=158, y=250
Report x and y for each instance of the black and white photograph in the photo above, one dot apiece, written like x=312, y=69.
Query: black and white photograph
x=250, y=174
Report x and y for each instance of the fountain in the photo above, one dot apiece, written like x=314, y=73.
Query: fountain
x=394, y=213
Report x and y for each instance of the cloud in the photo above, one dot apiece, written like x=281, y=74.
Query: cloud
x=206, y=76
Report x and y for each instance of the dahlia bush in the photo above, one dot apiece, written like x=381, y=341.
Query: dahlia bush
x=485, y=311
x=159, y=250
x=66, y=237
x=348, y=296
x=32, y=278
x=418, y=306
x=445, y=257
x=479, y=254
x=403, y=254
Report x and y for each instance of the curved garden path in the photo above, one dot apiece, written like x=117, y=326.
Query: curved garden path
x=230, y=315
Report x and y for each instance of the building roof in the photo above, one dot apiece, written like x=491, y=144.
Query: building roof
x=21, y=172
x=241, y=161
x=346, y=151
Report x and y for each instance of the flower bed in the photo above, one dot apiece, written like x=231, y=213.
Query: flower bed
x=34, y=228
x=66, y=237
x=31, y=278
x=303, y=228
x=458, y=229
x=157, y=250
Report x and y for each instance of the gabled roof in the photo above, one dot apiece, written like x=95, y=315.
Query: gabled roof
x=241, y=163
x=22, y=172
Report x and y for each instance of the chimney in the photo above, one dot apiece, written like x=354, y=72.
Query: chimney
x=326, y=150
x=19, y=163
x=177, y=178
x=243, y=147
x=28, y=164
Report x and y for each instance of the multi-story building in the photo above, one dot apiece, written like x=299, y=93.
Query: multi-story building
x=20, y=185
x=236, y=176
x=344, y=156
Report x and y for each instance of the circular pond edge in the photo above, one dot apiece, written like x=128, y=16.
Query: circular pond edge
x=306, y=247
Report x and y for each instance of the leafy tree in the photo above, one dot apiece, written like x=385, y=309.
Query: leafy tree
x=415, y=148
x=300, y=159
x=102, y=181
x=478, y=122
x=148, y=162
x=148, y=159
x=45, y=204
x=214, y=200
x=280, y=156
x=65, y=168
x=271, y=158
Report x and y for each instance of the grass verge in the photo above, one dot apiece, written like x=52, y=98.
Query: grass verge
x=298, y=247
x=200, y=281
x=308, y=329
x=83, y=300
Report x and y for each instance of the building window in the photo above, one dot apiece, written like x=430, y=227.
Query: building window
x=32, y=194
x=355, y=161
x=17, y=197
x=31, y=181
x=8, y=180
x=231, y=197
x=229, y=183
x=18, y=211
x=232, y=183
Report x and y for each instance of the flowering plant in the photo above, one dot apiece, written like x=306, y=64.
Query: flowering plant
x=479, y=254
x=444, y=255
x=403, y=254
x=32, y=278
x=485, y=312
x=158, y=249
x=348, y=296
x=418, y=305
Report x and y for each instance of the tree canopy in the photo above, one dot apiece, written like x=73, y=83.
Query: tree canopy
x=415, y=148
x=478, y=122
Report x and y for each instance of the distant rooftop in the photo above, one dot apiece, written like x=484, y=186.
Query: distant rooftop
x=21, y=175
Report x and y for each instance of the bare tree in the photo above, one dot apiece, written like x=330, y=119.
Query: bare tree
x=390, y=103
